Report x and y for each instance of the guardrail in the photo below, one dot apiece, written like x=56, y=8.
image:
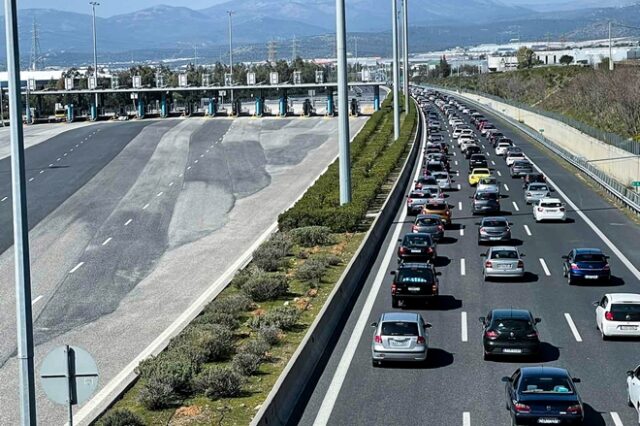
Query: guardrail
x=293, y=384
x=630, y=198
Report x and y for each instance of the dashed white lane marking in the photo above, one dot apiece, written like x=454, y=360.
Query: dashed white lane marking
x=616, y=419
x=488, y=155
x=545, y=267
x=65, y=154
x=41, y=171
x=463, y=267
x=4, y=199
x=515, y=206
x=506, y=187
x=127, y=223
x=31, y=179
x=498, y=172
x=189, y=168
x=77, y=145
x=573, y=327
x=460, y=205
x=51, y=165
x=201, y=155
x=456, y=162
x=75, y=268
x=527, y=230
x=58, y=159
x=207, y=151
x=457, y=172
x=463, y=326
x=180, y=175
x=160, y=194
x=71, y=150
x=454, y=153
x=461, y=232
x=493, y=163
x=146, y=206
x=36, y=300
x=466, y=419
x=171, y=184
x=195, y=162
x=107, y=241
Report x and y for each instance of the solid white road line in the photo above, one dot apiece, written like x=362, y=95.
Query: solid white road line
x=146, y=206
x=527, y=230
x=466, y=419
x=498, y=172
x=506, y=187
x=107, y=241
x=573, y=327
x=545, y=267
x=616, y=419
x=127, y=223
x=463, y=267
x=36, y=300
x=463, y=327
x=75, y=268
x=460, y=205
x=515, y=206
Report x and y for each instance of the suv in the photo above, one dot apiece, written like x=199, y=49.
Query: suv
x=510, y=332
x=477, y=160
x=414, y=281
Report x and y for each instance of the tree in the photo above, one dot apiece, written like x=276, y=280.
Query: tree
x=445, y=68
x=526, y=58
x=566, y=59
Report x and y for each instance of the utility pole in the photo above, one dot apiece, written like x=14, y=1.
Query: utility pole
x=396, y=72
x=343, y=105
x=610, y=50
x=230, y=13
x=405, y=49
x=95, y=48
x=24, y=320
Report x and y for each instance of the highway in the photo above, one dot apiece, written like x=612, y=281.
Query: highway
x=131, y=222
x=455, y=386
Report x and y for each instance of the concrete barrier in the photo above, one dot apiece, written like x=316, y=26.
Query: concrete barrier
x=295, y=382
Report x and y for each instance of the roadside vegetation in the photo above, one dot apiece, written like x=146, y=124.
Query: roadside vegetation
x=220, y=369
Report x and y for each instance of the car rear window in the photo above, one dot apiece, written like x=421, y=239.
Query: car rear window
x=504, y=254
x=516, y=154
x=489, y=181
x=427, y=180
x=626, y=311
x=415, y=275
x=440, y=175
x=414, y=240
x=478, y=157
x=487, y=196
x=538, y=188
x=480, y=171
x=437, y=207
x=512, y=324
x=545, y=385
x=590, y=257
x=399, y=328
x=494, y=223
x=429, y=221
x=420, y=195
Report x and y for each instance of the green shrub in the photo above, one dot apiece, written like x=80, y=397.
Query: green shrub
x=330, y=259
x=246, y=363
x=284, y=318
x=257, y=347
x=312, y=271
x=267, y=258
x=311, y=236
x=170, y=372
x=209, y=342
x=157, y=394
x=220, y=382
x=269, y=334
x=233, y=304
x=282, y=243
x=222, y=318
x=121, y=417
x=243, y=275
x=266, y=286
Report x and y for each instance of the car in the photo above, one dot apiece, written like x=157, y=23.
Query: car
x=418, y=247
x=429, y=224
x=399, y=336
x=536, y=191
x=549, y=209
x=510, y=332
x=512, y=157
x=633, y=389
x=472, y=150
x=502, y=262
x=484, y=202
x=414, y=281
x=424, y=180
x=486, y=128
x=512, y=149
x=618, y=314
x=440, y=208
x=467, y=138
x=466, y=143
x=415, y=200
x=495, y=136
x=532, y=178
x=489, y=183
x=494, y=229
x=496, y=141
x=435, y=166
x=433, y=190
x=520, y=168
x=444, y=181
x=438, y=156
x=543, y=395
x=477, y=174
x=501, y=147
x=588, y=264
x=477, y=161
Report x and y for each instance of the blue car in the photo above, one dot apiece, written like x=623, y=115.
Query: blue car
x=543, y=395
x=588, y=264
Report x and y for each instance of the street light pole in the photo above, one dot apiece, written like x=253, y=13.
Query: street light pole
x=24, y=320
x=405, y=50
x=610, y=50
x=230, y=13
x=343, y=105
x=95, y=48
x=396, y=71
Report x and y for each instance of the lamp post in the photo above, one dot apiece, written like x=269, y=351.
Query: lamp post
x=396, y=71
x=610, y=50
x=95, y=48
x=230, y=13
x=405, y=50
x=343, y=105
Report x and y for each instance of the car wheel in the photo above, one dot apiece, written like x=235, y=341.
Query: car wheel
x=629, y=403
x=487, y=357
x=376, y=363
x=570, y=280
x=394, y=302
x=564, y=272
x=604, y=336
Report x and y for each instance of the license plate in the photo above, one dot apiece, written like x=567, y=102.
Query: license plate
x=495, y=238
x=504, y=266
x=628, y=327
x=416, y=251
x=591, y=277
x=413, y=288
x=512, y=351
x=548, y=421
x=397, y=344
x=552, y=211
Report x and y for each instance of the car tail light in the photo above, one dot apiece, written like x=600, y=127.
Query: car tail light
x=434, y=288
x=440, y=227
x=520, y=264
x=606, y=267
x=483, y=231
x=421, y=340
x=414, y=228
x=402, y=250
x=378, y=339
x=574, y=267
x=394, y=288
x=418, y=186
x=532, y=335
x=430, y=250
x=528, y=194
x=522, y=408
x=490, y=334
x=561, y=209
x=574, y=409
x=540, y=209
x=448, y=212
x=488, y=264
x=409, y=200
x=608, y=316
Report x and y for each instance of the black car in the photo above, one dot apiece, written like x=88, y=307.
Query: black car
x=414, y=281
x=485, y=202
x=477, y=161
x=418, y=247
x=510, y=332
x=424, y=180
x=533, y=178
x=543, y=395
x=471, y=150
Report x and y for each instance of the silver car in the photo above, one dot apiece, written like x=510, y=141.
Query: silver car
x=494, y=230
x=536, y=191
x=433, y=190
x=444, y=181
x=502, y=262
x=488, y=184
x=429, y=224
x=399, y=336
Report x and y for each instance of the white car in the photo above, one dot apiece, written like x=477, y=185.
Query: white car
x=444, y=181
x=466, y=111
x=618, y=314
x=465, y=139
x=549, y=209
x=633, y=389
x=466, y=144
x=501, y=148
x=513, y=157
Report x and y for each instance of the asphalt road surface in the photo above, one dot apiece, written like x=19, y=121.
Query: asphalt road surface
x=141, y=219
x=455, y=386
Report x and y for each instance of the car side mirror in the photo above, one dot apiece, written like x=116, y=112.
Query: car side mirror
x=630, y=373
x=506, y=379
x=596, y=304
x=523, y=255
x=537, y=320
x=510, y=223
x=576, y=380
x=428, y=325
x=478, y=223
x=438, y=274
x=607, y=257
x=565, y=257
x=399, y=240
x=483, y=254
x=482, y=319
x=374, y=324
x=392, y=272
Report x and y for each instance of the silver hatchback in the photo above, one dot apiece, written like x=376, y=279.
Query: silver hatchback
x=399, y=336
x=536, y=191
x=502, y=262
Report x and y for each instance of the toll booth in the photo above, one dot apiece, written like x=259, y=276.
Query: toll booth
x=354, y=108
x=164, y=107
x=259, y=107
x=307, y=108
x=70, y=113
x=376, y=98
x=331, y=110
x=140, y=108
x=212, y=108
x=283, y=109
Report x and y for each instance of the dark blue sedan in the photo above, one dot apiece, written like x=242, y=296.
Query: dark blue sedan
x=543, y=395
x=588, y=264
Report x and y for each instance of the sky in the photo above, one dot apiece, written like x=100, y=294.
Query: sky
x=112, y=7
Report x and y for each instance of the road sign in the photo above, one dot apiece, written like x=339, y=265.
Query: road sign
x=31, y=83
x=182, y=80
x=297, y=77
x=115, y=82
x=228, y=79
x=92, y=83
x=312, y=93
x=222, y=93
x=319, y=77
x=137, y=82
x=69, y=376
x=68, y=83
x=274, y=78
x=251, y=78
x=636, y=184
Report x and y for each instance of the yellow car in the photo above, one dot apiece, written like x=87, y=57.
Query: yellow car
x=477, y=174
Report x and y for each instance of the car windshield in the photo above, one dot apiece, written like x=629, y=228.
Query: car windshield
x=546, y=385
x=414, y=240
x=504, y=254
x=626, y=311
x=480, y=172
x=415, y=275
x=429, y=221
x=399, y=328
x=538, y=188
x=522, y=164
x=431, y=190
x=516, y=154
x=494, y=223
x=512, y=324
x=420, y=195
x=590, y=257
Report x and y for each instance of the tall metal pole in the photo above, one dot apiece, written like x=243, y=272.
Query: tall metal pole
x=230, y=13
x=24, y=322
x=610, y=50
x=343, y=105
x=95, y=48
x=405, y=50
x=396, y=72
